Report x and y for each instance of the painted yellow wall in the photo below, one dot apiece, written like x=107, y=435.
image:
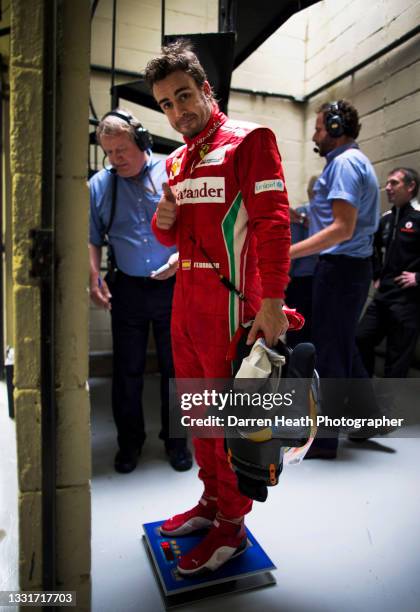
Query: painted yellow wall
x=5, y=170
x=71, y=301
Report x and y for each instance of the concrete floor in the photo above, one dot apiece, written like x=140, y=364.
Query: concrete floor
x=345, y=535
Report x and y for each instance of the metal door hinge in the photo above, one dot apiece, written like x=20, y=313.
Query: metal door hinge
x=41, y=253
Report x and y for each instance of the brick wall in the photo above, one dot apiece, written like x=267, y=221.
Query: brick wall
x=342, y=33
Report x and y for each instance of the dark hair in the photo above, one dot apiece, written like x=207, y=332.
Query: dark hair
x=347, y=112
x=175, y=56
x=410, y=176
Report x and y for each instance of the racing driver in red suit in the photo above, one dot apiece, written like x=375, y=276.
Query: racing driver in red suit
x=227, y=210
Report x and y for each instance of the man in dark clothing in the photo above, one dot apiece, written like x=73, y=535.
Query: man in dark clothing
x=394, y=312
x=299, y=290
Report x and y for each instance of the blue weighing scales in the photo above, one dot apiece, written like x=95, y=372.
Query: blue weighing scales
x=249, y=570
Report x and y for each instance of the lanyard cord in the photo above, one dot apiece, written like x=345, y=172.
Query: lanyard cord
x=113, y=203
x=225, y=281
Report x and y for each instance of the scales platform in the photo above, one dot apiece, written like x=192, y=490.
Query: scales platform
x=250, y=570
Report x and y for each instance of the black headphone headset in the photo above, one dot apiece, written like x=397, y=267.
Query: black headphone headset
x=142, y=137
x=335, y=123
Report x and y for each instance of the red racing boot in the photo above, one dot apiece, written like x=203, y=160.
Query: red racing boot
x=224, y=541
x=199, y=517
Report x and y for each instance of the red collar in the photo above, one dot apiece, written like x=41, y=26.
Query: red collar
x=217, y=118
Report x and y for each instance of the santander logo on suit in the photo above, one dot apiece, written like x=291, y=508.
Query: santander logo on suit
x=202, y=190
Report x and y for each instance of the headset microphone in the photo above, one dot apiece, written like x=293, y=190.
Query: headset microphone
x=315, y=150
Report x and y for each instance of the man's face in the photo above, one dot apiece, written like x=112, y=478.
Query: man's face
x=397, y=191
x=123, y=154
x=186, y=105
x=321, y=138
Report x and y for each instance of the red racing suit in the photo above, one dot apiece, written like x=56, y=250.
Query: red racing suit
x=232, y=215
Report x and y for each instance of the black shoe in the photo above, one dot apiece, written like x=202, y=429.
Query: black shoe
x=363, y=434
x=321, y=453
x=126, y=460
x=323, y=448
x=179, y=457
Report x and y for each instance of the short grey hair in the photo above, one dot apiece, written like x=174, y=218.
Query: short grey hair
x=110, y=125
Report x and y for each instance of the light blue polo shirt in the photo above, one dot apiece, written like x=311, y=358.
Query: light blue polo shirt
x=348, y=175
x=136, y=248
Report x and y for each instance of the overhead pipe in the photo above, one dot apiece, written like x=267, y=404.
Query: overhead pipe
x=162, y=23
x=271, y=94
x=118, y=71
x=140, y=75
x=114, y=28
x=267, y=94
x=228, y=10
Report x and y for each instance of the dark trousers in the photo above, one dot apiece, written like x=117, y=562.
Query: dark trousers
x=399, y=323
x=341, y=286
x=136, y=303
x=299, y=296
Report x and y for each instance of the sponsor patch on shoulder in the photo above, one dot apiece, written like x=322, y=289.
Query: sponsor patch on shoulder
x=236, y=130
x=214, y=158
x=270, y=185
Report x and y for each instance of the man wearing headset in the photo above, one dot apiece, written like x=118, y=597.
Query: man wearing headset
x=345, y=216
x=123, y=200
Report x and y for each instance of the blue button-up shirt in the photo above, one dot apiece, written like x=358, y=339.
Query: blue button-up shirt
x=348, y=175
x=137, y=251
